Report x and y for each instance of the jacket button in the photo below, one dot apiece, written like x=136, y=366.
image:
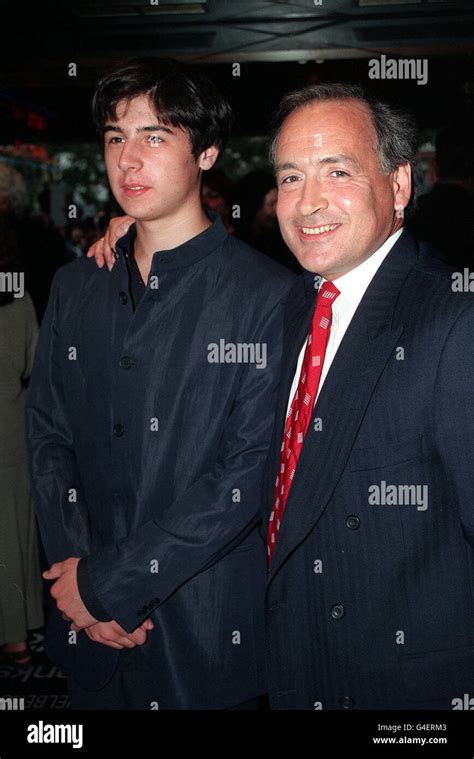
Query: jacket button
x=123, y=298
x=346, y=702
x=337, y=611
x=119, y=429
x=126, y=362
x=353, y=522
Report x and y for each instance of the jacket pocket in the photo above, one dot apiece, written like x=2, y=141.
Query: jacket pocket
x=385, y=455
x=439, y=674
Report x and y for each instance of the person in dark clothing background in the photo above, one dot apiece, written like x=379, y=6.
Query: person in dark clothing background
x=256, y=195
x=216, y=195
x=41, y=246
x=149, y=416
x=444, y=216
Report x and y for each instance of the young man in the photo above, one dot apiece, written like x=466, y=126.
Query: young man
x=149, y=416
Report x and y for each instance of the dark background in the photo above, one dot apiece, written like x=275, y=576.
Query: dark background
x=45, y=124
x=280, y=46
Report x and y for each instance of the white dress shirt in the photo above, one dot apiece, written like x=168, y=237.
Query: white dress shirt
x=352, y=287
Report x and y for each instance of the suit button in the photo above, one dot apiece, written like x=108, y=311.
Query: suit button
x=346, y=702
x=337, y=611
x=119, y=430
x=123, y=298
x=353, y=522
x=126, y=362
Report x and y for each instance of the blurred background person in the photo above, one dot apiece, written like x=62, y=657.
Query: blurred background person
x=256, y=194
x=42, y=247
x=21, y=604
x=444, y=215
x=76, y=241
x=216, y=195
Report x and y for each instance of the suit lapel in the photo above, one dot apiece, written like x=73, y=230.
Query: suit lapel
x=370, y=340
x=299, y=312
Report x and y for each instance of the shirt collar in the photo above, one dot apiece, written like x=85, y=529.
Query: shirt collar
x=355, y=282
x=183, y=255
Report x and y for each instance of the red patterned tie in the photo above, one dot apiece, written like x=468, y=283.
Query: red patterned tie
x=301, y=408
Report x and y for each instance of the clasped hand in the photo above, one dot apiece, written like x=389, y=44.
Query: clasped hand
x=65, y=592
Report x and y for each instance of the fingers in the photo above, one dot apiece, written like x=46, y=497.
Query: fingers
x=103, y=249
x=97, y=251
x=139, y=636
x=55, y=571
x=105, y=634
x=117, y=228
x=94, y=635
x=130, y=640
x=108, y=243
x=112, y=634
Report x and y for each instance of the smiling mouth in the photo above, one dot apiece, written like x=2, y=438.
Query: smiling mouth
x=323, y=229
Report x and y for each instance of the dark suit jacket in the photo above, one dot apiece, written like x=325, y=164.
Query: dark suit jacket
x=386, y=619
x=147, y=462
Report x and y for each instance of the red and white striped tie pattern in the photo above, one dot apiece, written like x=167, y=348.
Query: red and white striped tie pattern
x=301, y=408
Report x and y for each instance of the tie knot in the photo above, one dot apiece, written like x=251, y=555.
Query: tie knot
x=328, y=293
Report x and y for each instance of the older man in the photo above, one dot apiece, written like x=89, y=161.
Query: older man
x=371, y=520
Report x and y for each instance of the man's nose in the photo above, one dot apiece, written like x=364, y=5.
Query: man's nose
x=313, y=197
x=129, y=157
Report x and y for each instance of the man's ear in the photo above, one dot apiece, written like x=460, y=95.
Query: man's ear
x=208, y=158
x=402, y=186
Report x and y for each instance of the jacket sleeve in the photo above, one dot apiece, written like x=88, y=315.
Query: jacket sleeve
x=57, y=493
x=453, y=412
x=132, y=577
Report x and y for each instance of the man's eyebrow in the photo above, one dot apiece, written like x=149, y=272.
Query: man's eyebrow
x=339, y=158
x=151, y=128
x=285, y=166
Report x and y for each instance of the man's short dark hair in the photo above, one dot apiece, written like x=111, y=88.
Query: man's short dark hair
x=395, y=128
x=180, y=95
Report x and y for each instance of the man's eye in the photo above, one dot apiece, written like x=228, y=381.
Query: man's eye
x=114, y=140
x=154, y=139
x=290, y=179
x=340, y=173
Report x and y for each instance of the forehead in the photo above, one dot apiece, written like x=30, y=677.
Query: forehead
x=139, y=107
x=339, y=126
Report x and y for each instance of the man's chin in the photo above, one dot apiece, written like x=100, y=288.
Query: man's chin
x=138, y=215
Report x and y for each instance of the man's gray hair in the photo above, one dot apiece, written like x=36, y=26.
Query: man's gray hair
x=395, y=128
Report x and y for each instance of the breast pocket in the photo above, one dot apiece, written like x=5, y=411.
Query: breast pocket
x=387, y=454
